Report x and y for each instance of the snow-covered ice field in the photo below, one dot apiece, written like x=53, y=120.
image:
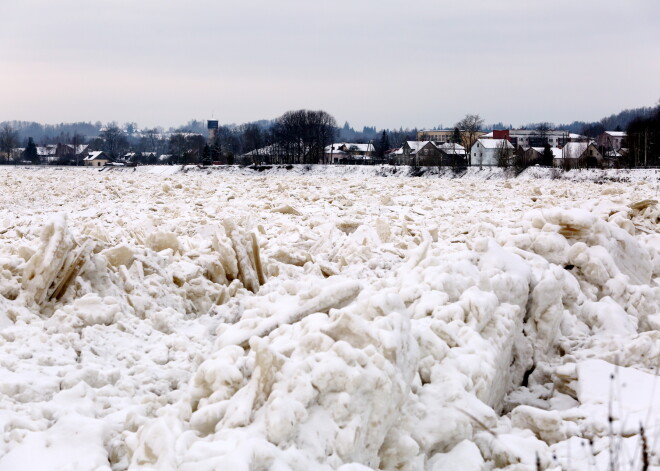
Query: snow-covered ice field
x=199, y=321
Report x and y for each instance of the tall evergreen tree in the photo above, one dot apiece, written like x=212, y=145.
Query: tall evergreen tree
x=206, y=155
x=548, y=156
x=30, y=152
x=383, y=144
x=456, y=138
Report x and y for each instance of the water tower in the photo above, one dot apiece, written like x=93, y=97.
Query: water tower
x=213, y=131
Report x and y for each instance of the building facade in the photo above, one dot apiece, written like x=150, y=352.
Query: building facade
x=490, y=152
x=534, y=138
x=612, y=140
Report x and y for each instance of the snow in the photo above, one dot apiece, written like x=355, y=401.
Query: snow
x=495, y=143
x=353, y=147
x=93, y=155
x=328, y=318
x=616, y=133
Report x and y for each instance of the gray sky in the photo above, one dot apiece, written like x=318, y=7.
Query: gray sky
x=370, y=62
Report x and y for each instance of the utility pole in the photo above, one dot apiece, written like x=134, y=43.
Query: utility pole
x=645, y=145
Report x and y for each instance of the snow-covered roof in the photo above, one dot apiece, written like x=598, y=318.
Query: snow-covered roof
x=46, y=151
x=451, y=148
x=360, y=147
x=349, y=146
x=79, y=148
x=273, y=149
x=616, y=133
x=416, y=145
x=495, y=143
x=573, y=150
x=95, y=155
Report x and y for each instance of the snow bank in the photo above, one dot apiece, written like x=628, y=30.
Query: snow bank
x=203, y=320
x=402, y=171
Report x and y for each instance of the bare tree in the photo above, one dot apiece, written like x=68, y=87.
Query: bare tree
x=114, y=141
x=303, y=135
x=543, y=130
x=469, y=127
x=503, y=154
x=8, y=140
x=178, y=146
x=251, y=139
x=152, y=140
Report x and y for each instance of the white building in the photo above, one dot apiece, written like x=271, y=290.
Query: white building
x=96, y=159
x=342, y=151
x=489, y=151
x=533, y=138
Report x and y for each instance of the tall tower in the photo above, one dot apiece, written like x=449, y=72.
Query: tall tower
x=213, y=131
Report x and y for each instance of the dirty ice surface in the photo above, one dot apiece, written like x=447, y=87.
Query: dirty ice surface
x=211, y=321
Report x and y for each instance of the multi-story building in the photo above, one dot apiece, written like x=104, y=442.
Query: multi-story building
x=442, y=136
x=435, y=135
x=535, y=138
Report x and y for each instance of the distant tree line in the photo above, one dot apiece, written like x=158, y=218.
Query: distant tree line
x=615, y=122
x=51, y=133
x=644, y=140
x=299, y=136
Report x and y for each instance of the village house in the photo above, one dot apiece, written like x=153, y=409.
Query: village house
x=264, y=155
x=344, y=152
x=532, y=155
x=612, y=140
x=452, y=154
x=491, y=152
x=96, y=159
x=407, y=154
x=56, y=153
x=615, y=158
x=47, y=154
x=579, y=155
x=16, y=154
x=428, y=153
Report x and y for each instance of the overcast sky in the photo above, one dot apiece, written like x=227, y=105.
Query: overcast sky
x=384, y=63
